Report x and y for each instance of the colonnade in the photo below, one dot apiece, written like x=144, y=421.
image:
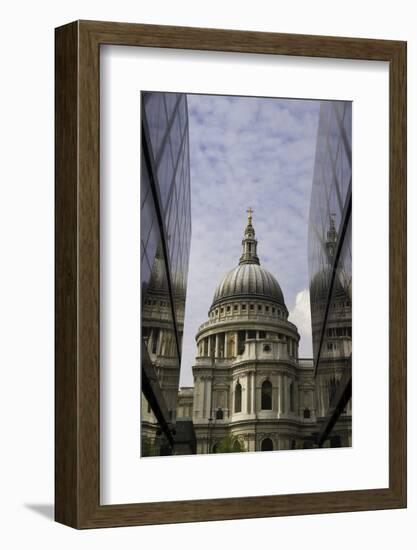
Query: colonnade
x=226, y=344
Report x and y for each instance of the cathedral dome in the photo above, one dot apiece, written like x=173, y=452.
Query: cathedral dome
x=249, y=279
x=320, y=284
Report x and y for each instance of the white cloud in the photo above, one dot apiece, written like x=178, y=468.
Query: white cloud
x=300, y=315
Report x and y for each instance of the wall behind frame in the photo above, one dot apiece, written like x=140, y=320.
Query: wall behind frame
x=26, y=277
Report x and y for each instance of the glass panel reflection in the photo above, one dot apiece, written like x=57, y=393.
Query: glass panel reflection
x=330, y=266
x=163, y=270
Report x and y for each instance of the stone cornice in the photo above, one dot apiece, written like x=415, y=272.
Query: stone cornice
x=211, y=328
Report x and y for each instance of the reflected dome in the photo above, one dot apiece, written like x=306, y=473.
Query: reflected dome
x=320, y=284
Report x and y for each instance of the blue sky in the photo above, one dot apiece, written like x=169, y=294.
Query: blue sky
x=244, y=152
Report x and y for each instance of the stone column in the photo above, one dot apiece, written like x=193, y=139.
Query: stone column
x=312, y=402
x=208, y=346
x=159, y=343
x=150, y=340
x=279, y=395
x=216, y=347
x=226, y=344
x=197, y=405
x=236, y=343
x=283, y=394
x=274, y=396
x=296, y=399
x=203, y=398
x=253, y=393
x=248, y=396
x=208, y=386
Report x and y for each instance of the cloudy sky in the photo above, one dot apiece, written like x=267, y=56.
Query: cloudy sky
x=249, y=152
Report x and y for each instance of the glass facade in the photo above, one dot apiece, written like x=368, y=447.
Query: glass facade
x=330, y=267
x=165, y=249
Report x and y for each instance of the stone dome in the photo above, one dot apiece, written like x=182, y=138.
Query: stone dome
x=249, y=280
x=320, y=283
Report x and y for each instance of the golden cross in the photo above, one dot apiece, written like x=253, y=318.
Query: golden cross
x=250, y=212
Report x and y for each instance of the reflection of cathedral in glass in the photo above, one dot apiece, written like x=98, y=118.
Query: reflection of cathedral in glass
x=330, y=264
x=165, y=238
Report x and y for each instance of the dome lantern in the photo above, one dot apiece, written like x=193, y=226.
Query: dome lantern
x=249, y=280
x=249, y=243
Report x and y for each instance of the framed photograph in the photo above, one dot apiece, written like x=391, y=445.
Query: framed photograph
x=216, y=194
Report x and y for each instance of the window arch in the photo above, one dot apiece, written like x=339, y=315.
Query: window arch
x=307, y=413
x=266, y=395
x=219, y=414
x=267, y=444
x=238, y=398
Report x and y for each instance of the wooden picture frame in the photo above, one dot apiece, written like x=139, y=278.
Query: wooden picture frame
x=77, y=404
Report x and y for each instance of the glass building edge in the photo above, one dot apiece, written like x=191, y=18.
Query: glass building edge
x=330, y=268
x=165, y=182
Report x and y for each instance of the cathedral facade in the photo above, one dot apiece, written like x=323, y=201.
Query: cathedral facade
x=251, y=389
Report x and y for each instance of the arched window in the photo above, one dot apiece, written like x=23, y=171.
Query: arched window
x=307, y=413
x=267, y=444
x=219, y=414
x=238, y=398
x=332, y=388
x=266, y=395
x=292, y=396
